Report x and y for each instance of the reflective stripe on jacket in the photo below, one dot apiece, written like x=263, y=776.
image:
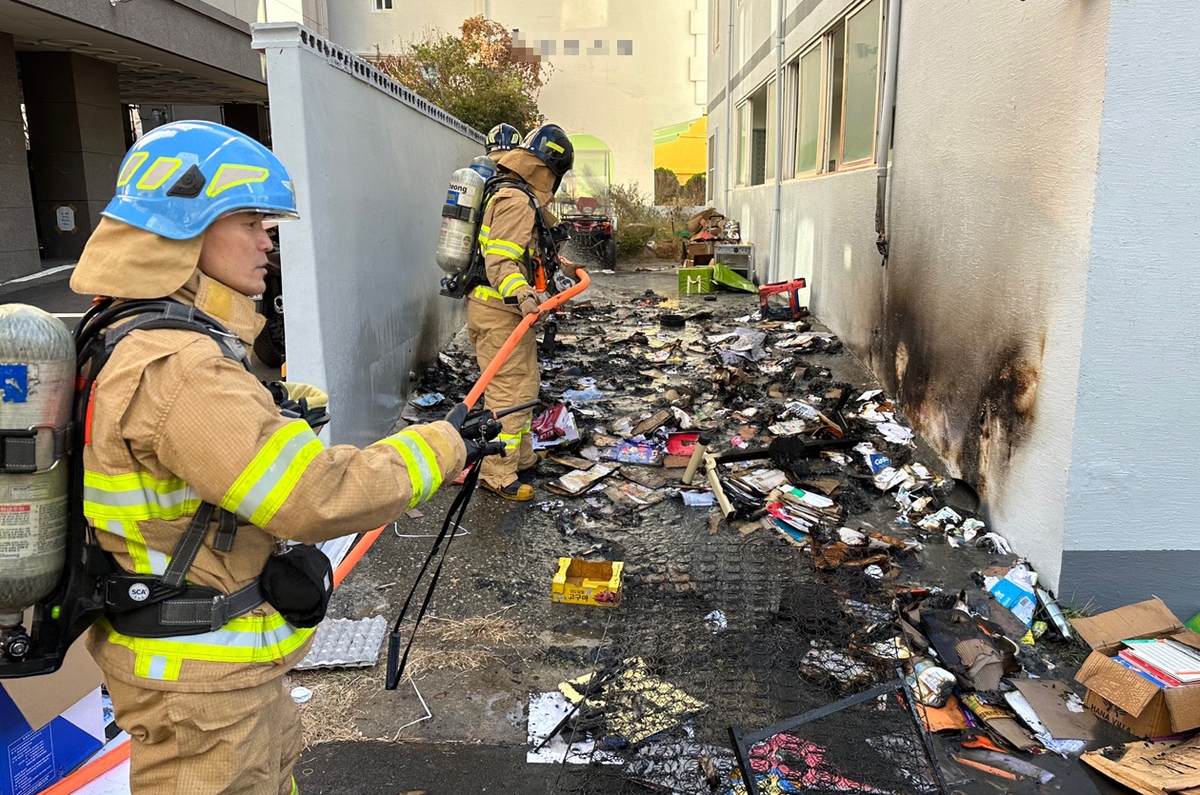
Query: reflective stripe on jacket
x=507, y=239
x=176, y=423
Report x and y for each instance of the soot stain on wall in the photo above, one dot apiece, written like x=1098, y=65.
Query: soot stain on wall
x=967, y=382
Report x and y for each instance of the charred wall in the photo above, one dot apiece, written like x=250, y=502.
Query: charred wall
x=980, y=309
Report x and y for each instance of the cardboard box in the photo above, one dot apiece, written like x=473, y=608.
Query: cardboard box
x=695, y=281
x=700, y=254
x=1123, y=697
x=582, y=582
x=49, y=725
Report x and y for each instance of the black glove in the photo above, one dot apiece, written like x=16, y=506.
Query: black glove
x=478, y=449
x=458, y=415
x=478, y=425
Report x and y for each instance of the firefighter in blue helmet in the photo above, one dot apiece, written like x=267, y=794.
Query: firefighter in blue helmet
x=501, y=138
x=184, y=442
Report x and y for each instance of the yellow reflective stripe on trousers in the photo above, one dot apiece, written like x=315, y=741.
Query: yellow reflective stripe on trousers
x=249, y=639
x=511, y=440
x=270, y=478
x=136, y=497
x=421, y=463
x=512, y=283
x=145, y=559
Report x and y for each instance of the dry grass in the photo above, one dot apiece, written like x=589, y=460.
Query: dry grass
x=332, y=713
x=490, y=630
x=452, y=645
x=421, y=664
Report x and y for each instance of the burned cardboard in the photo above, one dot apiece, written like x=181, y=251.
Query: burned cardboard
x=1151, y=768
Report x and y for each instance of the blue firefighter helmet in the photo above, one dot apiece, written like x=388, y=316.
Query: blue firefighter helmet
x=179, y=178
x=502, y=137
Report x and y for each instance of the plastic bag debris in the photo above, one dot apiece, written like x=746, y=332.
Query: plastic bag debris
x=428, y=401
x=716, y=621
x=1015, y=590
x=583, y=395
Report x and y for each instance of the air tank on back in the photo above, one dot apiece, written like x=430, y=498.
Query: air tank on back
x=460, y=214
x=37, y=386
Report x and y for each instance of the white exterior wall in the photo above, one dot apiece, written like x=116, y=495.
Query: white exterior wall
x=360, y=278
x=311, y=14
x=620, y=99
x=997, y=138
x=1132, y=505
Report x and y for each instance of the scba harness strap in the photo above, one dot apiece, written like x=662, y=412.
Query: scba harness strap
x=149, y=606
x=475, y=274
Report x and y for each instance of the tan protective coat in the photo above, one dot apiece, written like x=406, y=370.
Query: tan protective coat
x=176, y=422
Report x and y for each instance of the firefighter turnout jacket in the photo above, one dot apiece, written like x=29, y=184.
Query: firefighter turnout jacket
x=175, y=422
x=508, y=240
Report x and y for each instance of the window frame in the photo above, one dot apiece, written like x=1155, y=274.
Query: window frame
x=378, y=6
x=715, y=26
x=824, y=39
x=745, y=122
x=869, y=160
x=711, y=171
x=822, y=108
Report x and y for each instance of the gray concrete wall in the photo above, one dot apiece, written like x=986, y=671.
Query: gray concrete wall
x=370, y=162
x=194, y=29
x=77, y=141
x=18, y=235
x=1132, y=484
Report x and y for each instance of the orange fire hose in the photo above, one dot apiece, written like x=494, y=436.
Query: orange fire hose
x=526, y=323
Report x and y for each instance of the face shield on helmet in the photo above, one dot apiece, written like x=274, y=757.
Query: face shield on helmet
x=502, y=137
x=179, y=178
x=552, y=146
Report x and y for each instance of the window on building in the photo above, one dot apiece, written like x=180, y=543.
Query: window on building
x=770, y=133
x=382, y=5
x=758, y=137
x=743, y=142
x=743, y=50
x=862, y=83
x=837, y=79
x=714, y=28
x=711, y=176
x=808, y=122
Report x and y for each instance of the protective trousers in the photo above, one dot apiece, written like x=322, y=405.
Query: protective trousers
x=517, y=381
x=225, y=742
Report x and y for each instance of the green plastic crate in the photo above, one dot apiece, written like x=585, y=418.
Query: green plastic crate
x=696, y=281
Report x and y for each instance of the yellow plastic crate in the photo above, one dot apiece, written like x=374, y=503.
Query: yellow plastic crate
x=580, y=582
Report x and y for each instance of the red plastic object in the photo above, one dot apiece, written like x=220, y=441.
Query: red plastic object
x=550, y=424
x=781, y=301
